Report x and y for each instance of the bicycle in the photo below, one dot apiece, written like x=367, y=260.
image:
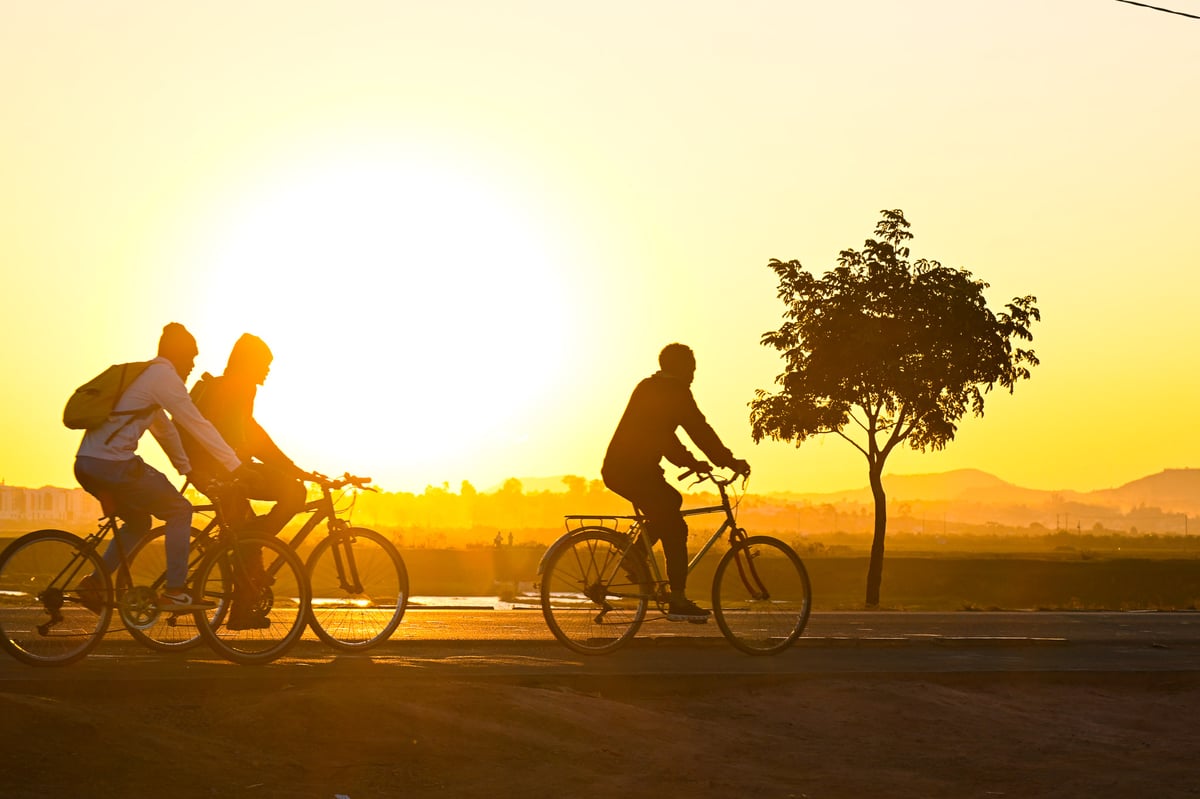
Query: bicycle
x=358, y=579
x=47, y=618
x=597, y=581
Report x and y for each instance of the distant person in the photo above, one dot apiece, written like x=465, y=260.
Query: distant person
x=268, y=474
x=660, y=405
x=108, y=467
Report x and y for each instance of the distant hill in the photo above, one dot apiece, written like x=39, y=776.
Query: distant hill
x=961, y=485
x=1171, y=489
x=1175, y=490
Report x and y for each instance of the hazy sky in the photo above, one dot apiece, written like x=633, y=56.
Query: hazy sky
x=466, y=229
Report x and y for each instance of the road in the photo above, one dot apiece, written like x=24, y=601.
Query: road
x=515, y=644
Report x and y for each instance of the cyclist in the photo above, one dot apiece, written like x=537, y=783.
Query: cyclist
x=267, y=474
x=108, y=467
x=228, y=402
x=660, y=405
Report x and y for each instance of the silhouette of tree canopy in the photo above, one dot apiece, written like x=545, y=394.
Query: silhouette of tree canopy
x=883, y=351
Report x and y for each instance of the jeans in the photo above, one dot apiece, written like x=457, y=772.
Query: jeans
x=134, y=491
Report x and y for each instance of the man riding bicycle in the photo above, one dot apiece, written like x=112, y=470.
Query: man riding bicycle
x=108, y=467
x=228, y=402
x=267, y=473
x=661, y=404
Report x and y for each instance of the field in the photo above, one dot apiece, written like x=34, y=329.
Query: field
x=1042, y=573
x=952, y=581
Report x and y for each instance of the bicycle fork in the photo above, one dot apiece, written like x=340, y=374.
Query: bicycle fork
x=744, y=558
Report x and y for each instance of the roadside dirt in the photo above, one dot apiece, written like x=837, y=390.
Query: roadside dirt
x=404, y=734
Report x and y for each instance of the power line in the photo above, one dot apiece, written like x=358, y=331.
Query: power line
x=1156, y=8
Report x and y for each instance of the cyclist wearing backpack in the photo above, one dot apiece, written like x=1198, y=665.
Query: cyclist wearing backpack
x=228, y=402
x=108, y=467
x=267, y=474
x=660, y=405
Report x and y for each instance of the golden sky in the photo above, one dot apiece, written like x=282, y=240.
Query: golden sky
x=466, y=229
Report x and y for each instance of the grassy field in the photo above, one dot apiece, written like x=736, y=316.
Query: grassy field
x=943, y=582
x=1083, y=578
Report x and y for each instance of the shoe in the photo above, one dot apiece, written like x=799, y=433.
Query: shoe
x=686, y=610
x=247, y=621
x=173, y=601
x=91, y=594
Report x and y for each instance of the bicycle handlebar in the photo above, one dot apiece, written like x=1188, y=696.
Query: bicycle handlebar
x=334, y=483
x=715, y=478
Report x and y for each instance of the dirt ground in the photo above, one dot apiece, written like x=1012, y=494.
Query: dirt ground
x=410, y=735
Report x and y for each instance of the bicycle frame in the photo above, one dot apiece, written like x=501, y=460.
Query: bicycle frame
x=637, y=525
x=322, y=510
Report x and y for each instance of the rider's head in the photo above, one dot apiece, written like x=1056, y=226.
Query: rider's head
x=250, y=358
x=178, y=346
x=678, y=360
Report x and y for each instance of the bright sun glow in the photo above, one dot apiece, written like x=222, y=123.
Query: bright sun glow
x=415, y=311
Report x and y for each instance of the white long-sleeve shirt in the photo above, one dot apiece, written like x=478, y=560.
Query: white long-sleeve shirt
x=160, y=387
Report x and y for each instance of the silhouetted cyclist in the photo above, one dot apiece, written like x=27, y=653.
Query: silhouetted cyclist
x=660, y=405
x=228, y=402
x=107, y=464
x=267, y=473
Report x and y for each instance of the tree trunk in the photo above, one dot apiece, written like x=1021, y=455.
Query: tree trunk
x=875, y=568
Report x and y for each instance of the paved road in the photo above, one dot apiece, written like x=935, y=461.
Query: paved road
x=516, y=645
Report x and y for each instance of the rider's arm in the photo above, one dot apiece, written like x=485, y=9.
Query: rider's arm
x=681, y=456
x=699, y=430
x=168, y=438
x=265, y=449
x=173, y=397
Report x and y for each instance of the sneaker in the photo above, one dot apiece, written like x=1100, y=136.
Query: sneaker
x=686, y=610
x=172, y=601
x=91, y=593
x=247, y=621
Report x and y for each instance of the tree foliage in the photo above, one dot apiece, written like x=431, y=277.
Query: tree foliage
x=882, y=351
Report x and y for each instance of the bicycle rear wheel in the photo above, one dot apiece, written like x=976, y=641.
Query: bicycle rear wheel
x=169, y=632
x=261, y=597
x=359, y=589
x=43, y=621
x=590, y=604
x=761, y=595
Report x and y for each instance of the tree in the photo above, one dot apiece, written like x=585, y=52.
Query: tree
x=882, y=352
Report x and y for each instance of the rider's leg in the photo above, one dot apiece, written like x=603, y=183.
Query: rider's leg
x=272, y=484
x=113, y=479
x=660, y=503
x=142, y=491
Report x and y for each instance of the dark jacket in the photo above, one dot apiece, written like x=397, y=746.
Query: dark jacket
x=660, y=405
x=228, y=402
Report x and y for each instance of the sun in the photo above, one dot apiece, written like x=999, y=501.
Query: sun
x=416, y=310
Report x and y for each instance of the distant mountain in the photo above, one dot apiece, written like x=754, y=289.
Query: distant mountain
x=960, y=485
x=1176, y=490
x=1171, y=489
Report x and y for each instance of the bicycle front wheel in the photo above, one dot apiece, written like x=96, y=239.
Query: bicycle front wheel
x=260, y=597
x=359, y=589
x=761, y=595
x=43, y=617
x=589, y=601
x=169, y=632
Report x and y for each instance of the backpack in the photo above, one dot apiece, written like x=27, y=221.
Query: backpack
x=92, y=403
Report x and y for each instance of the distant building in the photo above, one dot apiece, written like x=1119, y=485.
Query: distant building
x=47, y=504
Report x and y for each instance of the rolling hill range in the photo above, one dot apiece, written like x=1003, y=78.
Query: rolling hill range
x=1172, y=490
